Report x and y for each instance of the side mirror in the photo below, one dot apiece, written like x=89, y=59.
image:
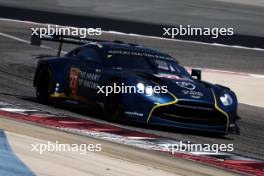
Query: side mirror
x=197, y=73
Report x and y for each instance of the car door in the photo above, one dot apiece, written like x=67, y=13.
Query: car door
x=90, y=72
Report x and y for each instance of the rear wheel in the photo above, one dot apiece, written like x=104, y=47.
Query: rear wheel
x=43, y=85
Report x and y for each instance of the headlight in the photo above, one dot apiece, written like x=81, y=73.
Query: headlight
x=145, y=89
x=226, y=99
x=149, y=91
x=141, y=87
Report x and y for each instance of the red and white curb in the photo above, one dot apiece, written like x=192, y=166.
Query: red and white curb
x=120, y=135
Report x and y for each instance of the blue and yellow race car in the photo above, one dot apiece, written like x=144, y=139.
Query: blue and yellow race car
x=135, y=83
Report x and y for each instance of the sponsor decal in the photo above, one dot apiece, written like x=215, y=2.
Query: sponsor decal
x=190, y=89
x=192, y=93
x=186, y=85
x=137, y=53
x=73, y=81
x=80, y=78
x=134, y=114
x=89, y=80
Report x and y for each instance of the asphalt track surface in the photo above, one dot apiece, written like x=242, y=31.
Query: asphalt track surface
x=148, y=17
x=18, y=64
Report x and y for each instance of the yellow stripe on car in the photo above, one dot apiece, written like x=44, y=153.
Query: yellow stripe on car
x=58, y=95
x=220, y=110
x=71, y=96
x=162, y=104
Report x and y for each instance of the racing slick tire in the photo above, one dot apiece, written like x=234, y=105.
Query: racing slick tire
x=43, y=85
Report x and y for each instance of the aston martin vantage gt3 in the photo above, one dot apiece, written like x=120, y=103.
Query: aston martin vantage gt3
x=91, y=73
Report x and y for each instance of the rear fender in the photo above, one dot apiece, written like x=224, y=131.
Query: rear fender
x=58, y=74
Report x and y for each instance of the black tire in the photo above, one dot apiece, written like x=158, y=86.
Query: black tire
x=43, y=85
x=112, y=106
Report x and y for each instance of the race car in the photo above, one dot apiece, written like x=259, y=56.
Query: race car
x=90, y=73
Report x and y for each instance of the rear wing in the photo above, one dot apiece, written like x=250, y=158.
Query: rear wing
x=36, y=40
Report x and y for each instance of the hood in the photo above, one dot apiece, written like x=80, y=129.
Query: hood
x=185, y=88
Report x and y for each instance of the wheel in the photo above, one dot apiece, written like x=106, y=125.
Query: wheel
x=112, y=106
x=43, y=85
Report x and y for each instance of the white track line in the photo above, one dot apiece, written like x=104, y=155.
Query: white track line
x=21, y=40
x=18, y=110
x=145, y=36
x=15, y=38
x=257, y=76
x=25, y=41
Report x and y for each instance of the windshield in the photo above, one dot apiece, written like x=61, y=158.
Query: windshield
x=170, y=67
x=129, y=62
x=145, y=61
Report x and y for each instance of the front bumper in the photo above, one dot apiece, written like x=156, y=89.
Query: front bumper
x=194, y=115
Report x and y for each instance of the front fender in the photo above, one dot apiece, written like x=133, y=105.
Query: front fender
x=139, y=106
